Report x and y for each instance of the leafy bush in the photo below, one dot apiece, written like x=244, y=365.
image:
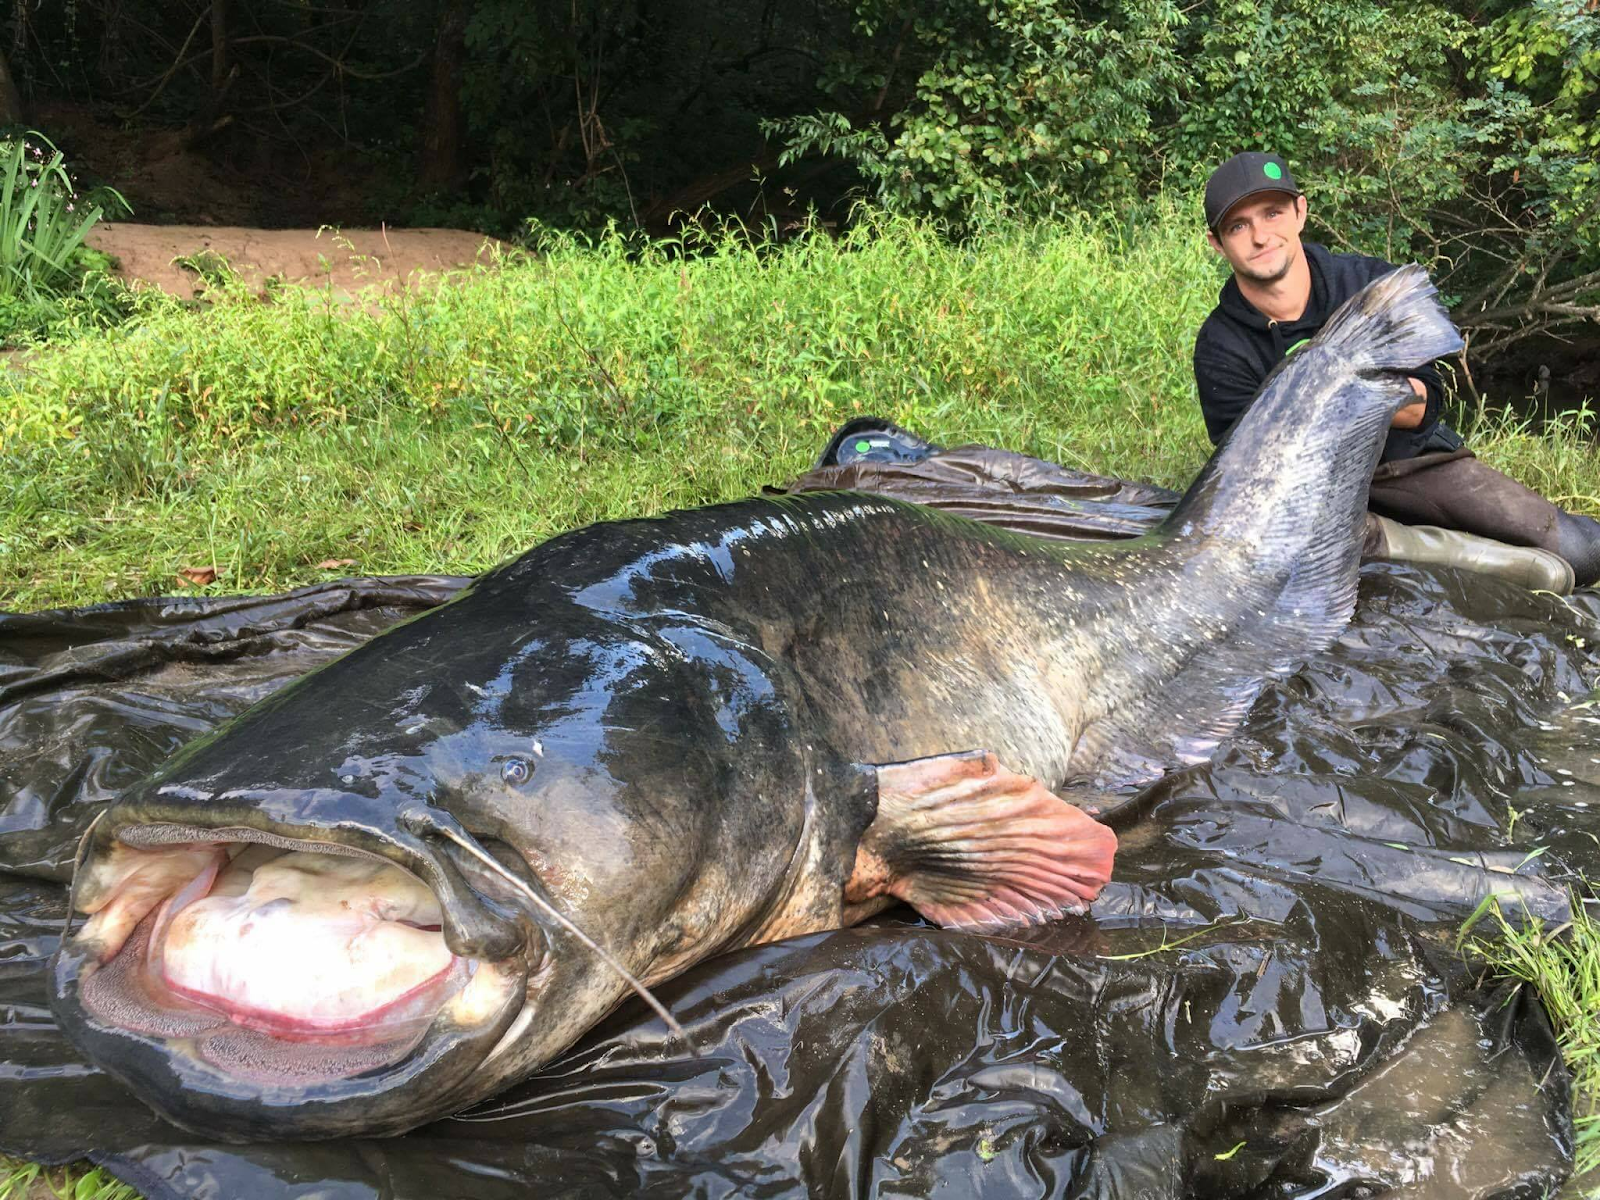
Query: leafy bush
x=1027, y=105
x=47, y=274
x=1495, y=189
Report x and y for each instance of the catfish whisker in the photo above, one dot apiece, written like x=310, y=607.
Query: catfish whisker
x=555, y=914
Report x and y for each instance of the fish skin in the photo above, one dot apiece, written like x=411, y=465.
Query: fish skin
x=703, y=697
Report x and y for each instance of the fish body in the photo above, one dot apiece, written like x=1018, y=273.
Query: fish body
x=366, y=902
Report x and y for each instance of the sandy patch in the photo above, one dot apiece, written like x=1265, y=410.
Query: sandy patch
x=345, y=259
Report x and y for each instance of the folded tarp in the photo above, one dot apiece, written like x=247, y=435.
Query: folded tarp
x=1266, y=1002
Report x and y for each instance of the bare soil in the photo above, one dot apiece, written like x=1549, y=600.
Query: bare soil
x=344, y=259
x=221, y=200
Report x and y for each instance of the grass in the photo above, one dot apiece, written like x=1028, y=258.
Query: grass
x=445, y=429
x=48, y=277
x=442, y=430
x=1563, y=965
x=29, y=1181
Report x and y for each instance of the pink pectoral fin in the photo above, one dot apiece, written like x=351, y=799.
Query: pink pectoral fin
x=968, y=843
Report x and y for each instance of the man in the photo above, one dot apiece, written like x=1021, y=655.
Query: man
x=1431, y=500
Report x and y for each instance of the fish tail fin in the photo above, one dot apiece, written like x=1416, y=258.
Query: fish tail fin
x=1396, y=322
x=1274, y=522
x=1323, y=414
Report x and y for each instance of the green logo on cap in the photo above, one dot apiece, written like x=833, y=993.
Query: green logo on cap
x=863, y=446
x=1272, y=171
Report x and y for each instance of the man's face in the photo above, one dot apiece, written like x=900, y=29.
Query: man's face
x=1260, y=235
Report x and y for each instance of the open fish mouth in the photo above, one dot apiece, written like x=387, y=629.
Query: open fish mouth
x=251, y=984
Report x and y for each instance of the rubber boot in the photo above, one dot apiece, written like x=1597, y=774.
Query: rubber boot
x=1535, y=569
x=1578, y=541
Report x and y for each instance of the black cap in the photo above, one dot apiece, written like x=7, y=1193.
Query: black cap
x=1245, y=175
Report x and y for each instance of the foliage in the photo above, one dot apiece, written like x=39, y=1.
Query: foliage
x=29, y=1181
x=631, y=111
x=1465, y=133
x=1564, y=965
x=574, y=113
x=1551, y=50
x=1135, y=89
x=42, y=218
x=1261, y=74
x=46, y=272
x=1419, y=133
x=1026, y=105
x=1496, y=189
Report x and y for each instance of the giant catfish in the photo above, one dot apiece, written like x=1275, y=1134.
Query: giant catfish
x=417, y=874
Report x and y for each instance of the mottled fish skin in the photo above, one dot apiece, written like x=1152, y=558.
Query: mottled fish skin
x=700, y=698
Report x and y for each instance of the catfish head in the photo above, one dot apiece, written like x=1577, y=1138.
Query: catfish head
x=412, y=877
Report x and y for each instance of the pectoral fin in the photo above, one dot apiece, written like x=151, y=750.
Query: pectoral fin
x=968, y=843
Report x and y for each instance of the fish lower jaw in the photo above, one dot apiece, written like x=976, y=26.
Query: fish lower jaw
x=277, y=992
x=378, y=1025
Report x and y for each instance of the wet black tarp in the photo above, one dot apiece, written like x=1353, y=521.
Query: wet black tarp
x=1266, y=1002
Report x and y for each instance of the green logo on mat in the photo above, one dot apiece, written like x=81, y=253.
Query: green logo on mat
x=1272, y=171
x=863, y=446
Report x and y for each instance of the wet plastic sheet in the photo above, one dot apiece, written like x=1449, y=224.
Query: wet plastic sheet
x=91, y=699
x=1266, y=1002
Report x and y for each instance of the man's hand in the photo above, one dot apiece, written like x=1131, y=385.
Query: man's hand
x=1411, y=415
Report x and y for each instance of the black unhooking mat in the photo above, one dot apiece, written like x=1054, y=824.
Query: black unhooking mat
x=1267, y=1002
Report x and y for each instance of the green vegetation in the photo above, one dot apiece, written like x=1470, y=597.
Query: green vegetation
x=297, y=439
x=47, y=275
x=444, y=429
x=29, y=1181
x=1564, y=966
x=1461, y=133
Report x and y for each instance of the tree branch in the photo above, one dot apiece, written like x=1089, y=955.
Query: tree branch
x=177, y=64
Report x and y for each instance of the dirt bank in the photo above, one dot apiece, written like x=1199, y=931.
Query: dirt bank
x=345, y=259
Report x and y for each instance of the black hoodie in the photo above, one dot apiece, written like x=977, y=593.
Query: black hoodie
x=1237, y=347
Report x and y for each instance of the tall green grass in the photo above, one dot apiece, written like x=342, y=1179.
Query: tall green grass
x=48, y=277
x=448, y=426
x=626, y=346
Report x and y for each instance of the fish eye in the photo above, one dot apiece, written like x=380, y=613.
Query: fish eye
x=516, y=770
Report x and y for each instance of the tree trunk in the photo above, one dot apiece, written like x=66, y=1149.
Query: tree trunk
x=219, y=49
x=440, y=168
x=214, y=117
